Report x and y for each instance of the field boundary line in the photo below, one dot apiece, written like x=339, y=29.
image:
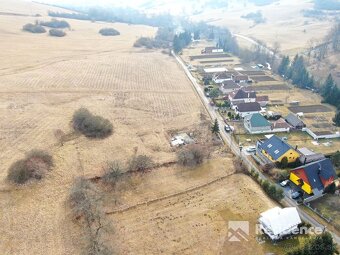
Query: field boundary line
x=169, y=196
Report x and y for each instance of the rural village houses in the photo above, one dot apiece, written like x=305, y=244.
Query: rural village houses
x=275, y=149
x=314, y=177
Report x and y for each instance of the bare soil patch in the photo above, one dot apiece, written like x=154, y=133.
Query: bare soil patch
x=262, y=78
x=205, y=56
x=267, y=87
x=253, y=73
x=310, y=108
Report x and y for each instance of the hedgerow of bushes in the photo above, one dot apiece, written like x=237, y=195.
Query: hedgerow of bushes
x=54, y=23
x=34, y=28
x=91, y=125
x=33, y=166
x=272, y=190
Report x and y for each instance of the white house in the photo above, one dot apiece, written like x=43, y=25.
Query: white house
x=244, y=109
x=215, y=70
x=241, y=96
x=279, y=222
x=222, y=77
x=229, y=86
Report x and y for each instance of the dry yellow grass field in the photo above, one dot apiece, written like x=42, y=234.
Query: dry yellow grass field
x=284, y=23
x=146, y=96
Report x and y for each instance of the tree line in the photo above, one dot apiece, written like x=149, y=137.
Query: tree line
x=297, y=72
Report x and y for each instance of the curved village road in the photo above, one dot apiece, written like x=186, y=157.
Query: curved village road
x=226, y=137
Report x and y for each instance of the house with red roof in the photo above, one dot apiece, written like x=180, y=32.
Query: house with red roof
x=314, y=177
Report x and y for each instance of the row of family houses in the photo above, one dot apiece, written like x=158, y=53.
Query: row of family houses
x=251, y=108
x=313, y=175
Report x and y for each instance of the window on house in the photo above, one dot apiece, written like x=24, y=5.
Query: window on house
x=276, y=152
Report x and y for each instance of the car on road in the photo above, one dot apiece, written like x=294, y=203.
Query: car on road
x=296, y=195
x=284, y=183
x=251, y=149
x=227, y=128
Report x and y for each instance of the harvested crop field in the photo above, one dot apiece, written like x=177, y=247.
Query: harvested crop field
x=262, y=78
x=147, y=97
x=310, y=108
x=188, y=213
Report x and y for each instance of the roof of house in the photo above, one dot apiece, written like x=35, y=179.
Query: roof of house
x=241, y=77
x=281, y=123
x=215, y=70
x=257, y=120
x=241, y=94
x=279, y=220
x=318, y=174
x=249, y=107
x=262, y=98
x=275, y=147
x=230, y=85
x=294, y=120
x=224, y=75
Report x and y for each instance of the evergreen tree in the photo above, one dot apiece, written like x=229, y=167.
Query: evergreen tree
x=284, y=66
x=215, y=127
x=320, y=245
x=336, y=119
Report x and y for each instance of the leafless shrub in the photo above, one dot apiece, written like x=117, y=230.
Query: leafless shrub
x=240, y=166
x=85, y=205
x=140, y=163
x=267, y=168
x=60, y=136
x=113, y=171
x=33, y=166
x=191, y=155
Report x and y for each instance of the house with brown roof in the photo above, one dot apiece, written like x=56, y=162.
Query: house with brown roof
x=240, y=78
x=222, y=77
x=262, y=100
x=281, y=126
x=229, y=86
x=241, y=96
x=244, y=109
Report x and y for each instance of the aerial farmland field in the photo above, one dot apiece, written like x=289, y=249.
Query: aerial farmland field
x=147, y=97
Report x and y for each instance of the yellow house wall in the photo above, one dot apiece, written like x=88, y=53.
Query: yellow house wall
x=291, y=155
x=305, y=187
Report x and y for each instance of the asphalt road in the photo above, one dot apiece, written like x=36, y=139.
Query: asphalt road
x=226, y=137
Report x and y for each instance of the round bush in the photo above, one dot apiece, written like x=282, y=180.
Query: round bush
x=109, y=32
x=91, y=125
x=57, y=32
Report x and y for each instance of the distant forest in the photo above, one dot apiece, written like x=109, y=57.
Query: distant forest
x=124, y=15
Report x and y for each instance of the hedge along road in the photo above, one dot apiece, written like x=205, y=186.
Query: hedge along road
x=227, y=139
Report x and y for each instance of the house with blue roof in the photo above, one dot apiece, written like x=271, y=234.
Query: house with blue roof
x=274, y=150
x=314, y=177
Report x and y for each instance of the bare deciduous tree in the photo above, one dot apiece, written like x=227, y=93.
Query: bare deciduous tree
x=85, y=205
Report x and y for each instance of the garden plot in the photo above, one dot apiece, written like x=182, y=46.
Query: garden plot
x=262, y=78
x=310, y=109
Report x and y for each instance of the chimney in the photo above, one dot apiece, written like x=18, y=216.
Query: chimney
x=296, y=147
